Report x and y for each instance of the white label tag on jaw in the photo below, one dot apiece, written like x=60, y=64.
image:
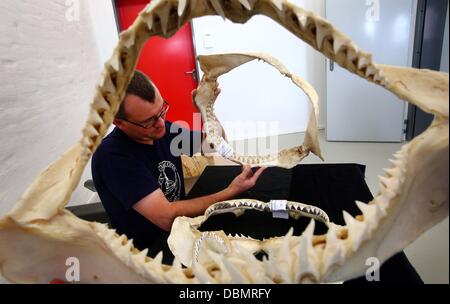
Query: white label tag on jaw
x=225, y=149
x=279, y=209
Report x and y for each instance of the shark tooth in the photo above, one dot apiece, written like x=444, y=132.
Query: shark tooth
x=149, y=21
x=90, y=131
x=372, y=214
x=106, y=83
x=218, y=8
x=358, y=231
x=302, y=18
x=87, y=142
x=95, y=118
x=334, y=252
x=181, y=7
x=141, y=256
x=364, y=60
x=255, y=269
x=157, y=261
x=323, y=30
x=284, y=257
x=339, y=42
x=175, y=274
x=151, y=6
x=163, y=14
x=352, y=52
x=155, y=271
x=379, y=76
x=236, y=275
x=128, y=246
x=269, y=269
x=202, y=275
x=101, y=229
x=307, y=262
x=224, y=274
x=398, y=163
x=382, y=201
x=246, y=4
x=100, y=103
x=371, y=70
x=278, y=4
x=128, y=38
x=384, y=181
x=110, y=235
x=117, y=242
x=392, y=171
x=115, y=62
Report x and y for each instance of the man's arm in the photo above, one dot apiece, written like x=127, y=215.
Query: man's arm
x=157, y=209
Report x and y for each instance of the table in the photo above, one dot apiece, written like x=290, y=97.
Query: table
x=331, y=187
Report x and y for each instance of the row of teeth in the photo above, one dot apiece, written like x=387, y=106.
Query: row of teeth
x=213, y=129
x=101, y=110
x=208, y=235
x=257, y=205
x=305, y=23
x=296, y=259
x=281, y=267
x=149, y=269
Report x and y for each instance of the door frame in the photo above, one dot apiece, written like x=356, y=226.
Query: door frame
x=426, y=56
x=116, y=15
x=329, y=64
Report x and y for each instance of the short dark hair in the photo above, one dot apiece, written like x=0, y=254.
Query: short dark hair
x=140, y=86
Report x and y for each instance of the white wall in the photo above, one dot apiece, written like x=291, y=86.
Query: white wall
x=50, y=63
x=256, y=91
x=104, y=27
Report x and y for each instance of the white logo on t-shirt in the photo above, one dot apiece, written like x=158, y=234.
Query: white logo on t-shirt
x=169, y=180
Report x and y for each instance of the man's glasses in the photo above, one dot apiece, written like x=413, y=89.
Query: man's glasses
x=150, y=123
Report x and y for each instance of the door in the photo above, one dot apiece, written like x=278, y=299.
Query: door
x=357, y=110
x=170, y=63
x=432, y=21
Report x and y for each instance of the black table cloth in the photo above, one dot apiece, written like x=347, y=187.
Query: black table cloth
x=331, y=187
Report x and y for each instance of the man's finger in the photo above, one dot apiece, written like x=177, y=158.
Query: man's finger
x=246, y=169
x=258, y=173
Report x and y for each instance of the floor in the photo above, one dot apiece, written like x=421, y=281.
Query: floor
x=429, y=254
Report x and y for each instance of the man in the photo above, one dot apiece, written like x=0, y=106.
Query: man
x=138, y=178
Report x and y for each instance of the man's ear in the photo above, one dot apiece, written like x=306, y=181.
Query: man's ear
x=118, y=123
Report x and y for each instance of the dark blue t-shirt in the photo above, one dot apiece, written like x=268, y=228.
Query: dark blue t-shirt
x=125, y=171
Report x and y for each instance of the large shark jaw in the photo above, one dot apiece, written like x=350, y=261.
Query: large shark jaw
x=38, y=234
x=216, y=65
x=189, y=245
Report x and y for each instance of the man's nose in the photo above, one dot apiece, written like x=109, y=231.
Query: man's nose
x=160, y=122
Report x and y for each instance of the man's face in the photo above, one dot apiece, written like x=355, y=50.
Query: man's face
x=140, y=113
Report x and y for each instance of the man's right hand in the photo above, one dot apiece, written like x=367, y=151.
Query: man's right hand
x=246, y=180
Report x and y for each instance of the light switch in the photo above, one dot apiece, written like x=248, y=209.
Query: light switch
x=208, y=41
